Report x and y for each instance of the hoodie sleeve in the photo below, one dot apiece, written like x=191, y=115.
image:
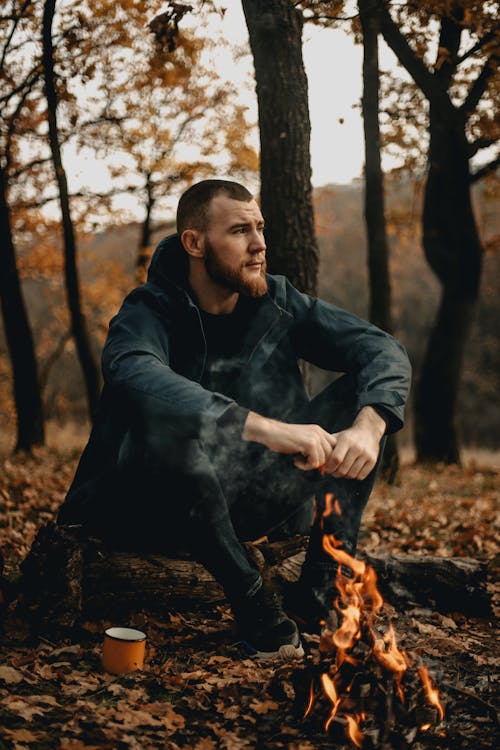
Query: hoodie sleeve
x=136, y=364
x=339, y=341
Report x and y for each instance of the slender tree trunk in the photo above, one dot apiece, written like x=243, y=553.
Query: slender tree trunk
x=378, y=250
x=87, y=361
x=453, y=250
x=144, y=251
x=30, y=423
x=275, y=30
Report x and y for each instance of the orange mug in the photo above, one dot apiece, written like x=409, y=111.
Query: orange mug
x=123, y=650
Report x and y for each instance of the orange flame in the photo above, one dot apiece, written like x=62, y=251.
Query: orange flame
x=431, y=692
x=358, y=603
x=311, y=699
x=349, y=632
x=391, y=658
x=332, y=505
x=331, y=692
x=333, y=548
x=353, y=731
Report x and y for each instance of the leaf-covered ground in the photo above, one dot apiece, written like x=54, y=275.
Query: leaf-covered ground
x=196, y=690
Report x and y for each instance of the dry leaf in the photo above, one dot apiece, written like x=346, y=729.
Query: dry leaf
x=21, y=735
x=10, y=675
x=21, y=708
x=262, y=707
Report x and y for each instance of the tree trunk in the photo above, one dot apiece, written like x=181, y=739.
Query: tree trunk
x=275, y=30
x=144, y=250
x=87, y=361
x=454, y=252
x=30, y=423
x=451, y=241
x=378, y=251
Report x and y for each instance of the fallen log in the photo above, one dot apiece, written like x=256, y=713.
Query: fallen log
x=67, y=577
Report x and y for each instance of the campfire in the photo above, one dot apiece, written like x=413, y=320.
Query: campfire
x=376, y=692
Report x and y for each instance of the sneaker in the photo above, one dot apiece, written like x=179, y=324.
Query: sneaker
x=265, y=630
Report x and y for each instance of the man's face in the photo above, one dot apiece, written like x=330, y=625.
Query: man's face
x=235, y=251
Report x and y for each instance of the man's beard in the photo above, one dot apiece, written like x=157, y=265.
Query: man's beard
x=233, y=278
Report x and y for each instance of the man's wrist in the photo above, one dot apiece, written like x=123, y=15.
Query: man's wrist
x=256, y=427
x=369, y=418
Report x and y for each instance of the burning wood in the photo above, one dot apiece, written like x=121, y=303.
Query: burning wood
x=370, y=681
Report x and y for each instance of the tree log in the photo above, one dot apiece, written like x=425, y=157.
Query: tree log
x=66, y=578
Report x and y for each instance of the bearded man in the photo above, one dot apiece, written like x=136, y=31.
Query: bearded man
x=205, y=435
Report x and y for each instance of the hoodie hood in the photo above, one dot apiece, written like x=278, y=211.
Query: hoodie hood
x=169, y=264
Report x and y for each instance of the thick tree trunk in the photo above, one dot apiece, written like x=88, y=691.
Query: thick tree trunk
x=65, y=578
x=378, y=250
x=30, y=423
x=86, y=357
x=451, y=241
x=453, y=249
x=275, y=29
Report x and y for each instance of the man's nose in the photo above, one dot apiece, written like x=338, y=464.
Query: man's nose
x=257, y=242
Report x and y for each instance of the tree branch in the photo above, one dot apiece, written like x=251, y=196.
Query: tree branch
x=479, y=144
x=15, y=20
x=26, y=84
x=412, y=63
x=79, y=194
x=479, y=86
x=26, y=167
x=487, y=169
x=476, y=47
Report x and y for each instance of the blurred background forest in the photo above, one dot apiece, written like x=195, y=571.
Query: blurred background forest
x=136, y=92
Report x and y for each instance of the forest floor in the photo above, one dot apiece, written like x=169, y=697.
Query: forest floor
x=197, y=690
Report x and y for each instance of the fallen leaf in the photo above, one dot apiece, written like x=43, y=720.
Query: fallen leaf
x=21, y=735
x=10, y=675
x=21, y=708
x=263, y=707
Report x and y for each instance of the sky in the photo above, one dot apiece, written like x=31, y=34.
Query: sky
x=333, y=67
x=333, y=64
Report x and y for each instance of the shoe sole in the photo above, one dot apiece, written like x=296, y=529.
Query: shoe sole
x=287, y=652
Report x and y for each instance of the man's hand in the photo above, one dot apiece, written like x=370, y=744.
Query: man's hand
x=351, y=453
x=357, y=448
x=309, y=443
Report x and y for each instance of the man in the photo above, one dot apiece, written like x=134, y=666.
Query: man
x=206, y=437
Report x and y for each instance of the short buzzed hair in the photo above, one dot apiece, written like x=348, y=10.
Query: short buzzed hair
x=194, y=203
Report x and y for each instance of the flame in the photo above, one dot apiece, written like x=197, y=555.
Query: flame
x=358, y=602
x=425, y=727
x=332, y=505
x=349, y=632
x=431, y=692
x=341, y=556
x=311, y=699
x=353, y=731
x=331, y=692
x=388, y=655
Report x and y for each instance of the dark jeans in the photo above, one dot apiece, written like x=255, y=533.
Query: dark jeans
x=209, y=498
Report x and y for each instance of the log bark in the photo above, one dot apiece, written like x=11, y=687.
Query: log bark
x=66, y=578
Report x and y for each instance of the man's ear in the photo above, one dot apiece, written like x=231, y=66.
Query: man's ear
x=193, y=243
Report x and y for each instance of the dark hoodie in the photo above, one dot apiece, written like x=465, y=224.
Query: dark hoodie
x=155, y=359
